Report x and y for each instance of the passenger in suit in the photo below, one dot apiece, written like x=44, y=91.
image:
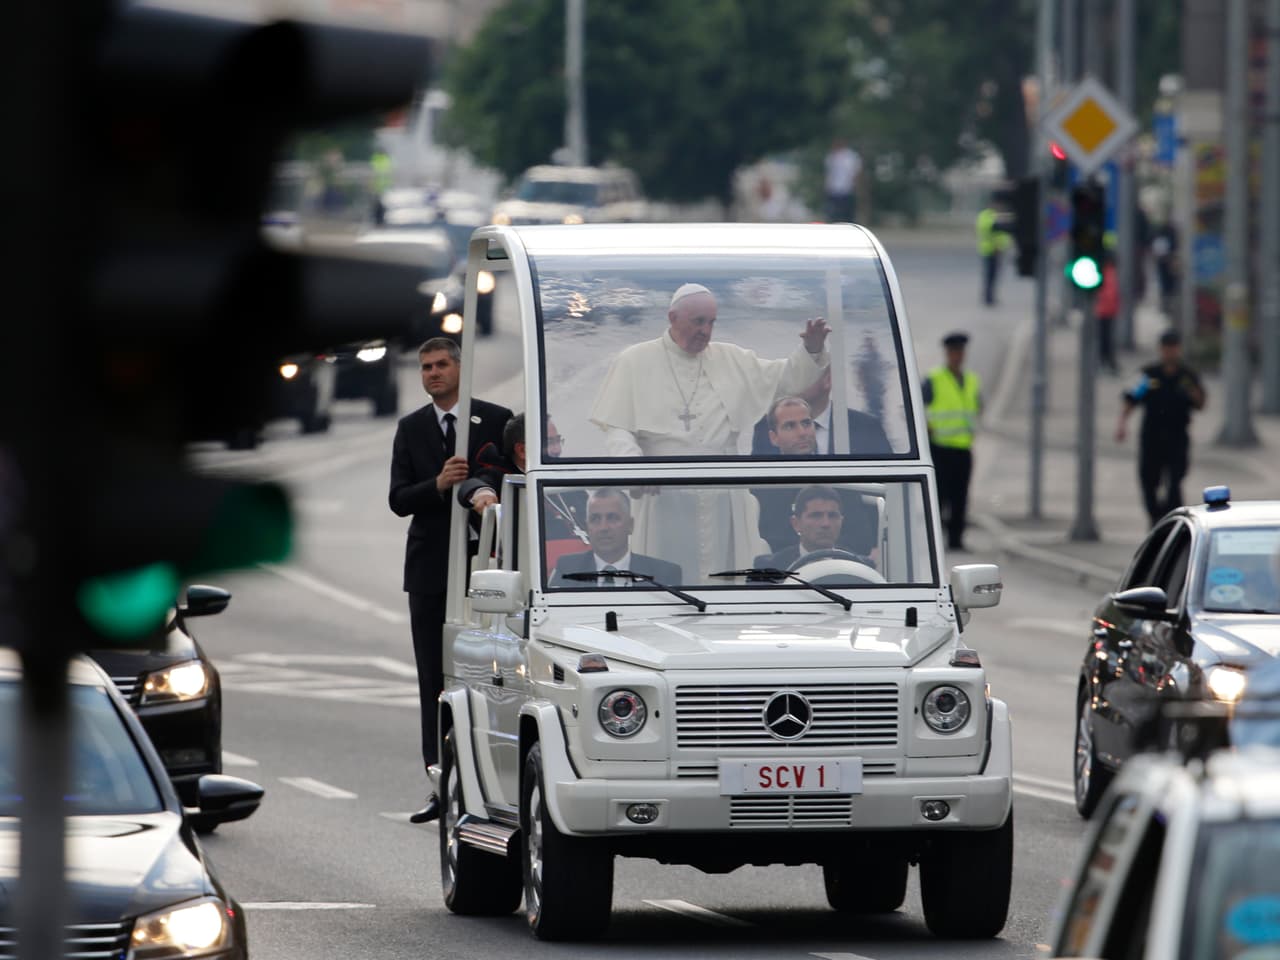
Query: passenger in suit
x=816, y=519
x=609, y=526
x=866, y=434
x=424, y=469
x=791, y=432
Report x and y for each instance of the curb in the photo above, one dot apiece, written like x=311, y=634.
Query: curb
x=1070, y=568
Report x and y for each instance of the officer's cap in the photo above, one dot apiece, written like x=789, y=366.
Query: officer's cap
x=1170, y=338
x=956, y=339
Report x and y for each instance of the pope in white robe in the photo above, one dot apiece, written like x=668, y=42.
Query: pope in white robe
x=682, y=395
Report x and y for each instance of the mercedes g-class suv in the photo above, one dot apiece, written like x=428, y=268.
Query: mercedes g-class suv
x=712, y=624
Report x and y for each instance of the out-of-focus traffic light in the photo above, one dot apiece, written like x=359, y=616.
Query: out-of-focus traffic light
x=1025, y=201
x=168, y=310
x=1059, y=167
x=1088, y=231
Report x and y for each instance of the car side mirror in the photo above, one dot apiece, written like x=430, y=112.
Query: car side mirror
x=1149, y=602
x=203, y=600
x=975, y=585
x=496, y=591
x=223, y=799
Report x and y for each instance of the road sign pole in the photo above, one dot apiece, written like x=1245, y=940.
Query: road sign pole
x=1127, y=248
x=1269, y=299
x=1040, y=366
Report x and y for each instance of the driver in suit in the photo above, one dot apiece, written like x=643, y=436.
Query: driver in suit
x=609, y=526
x=817, y=518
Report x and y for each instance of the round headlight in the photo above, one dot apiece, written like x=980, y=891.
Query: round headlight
x=288, y=370
x=1225, y=683
x=946, y=709
x=451, y=323
x=622, y=713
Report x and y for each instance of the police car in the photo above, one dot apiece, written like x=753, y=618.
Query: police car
x=1181, y=863
x=1196, y=612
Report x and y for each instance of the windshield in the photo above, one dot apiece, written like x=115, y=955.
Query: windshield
x=558, y=191
x=1243, y=571
x=1233, y=899
x=843, y=534
x=108, y=775
x=648, y=356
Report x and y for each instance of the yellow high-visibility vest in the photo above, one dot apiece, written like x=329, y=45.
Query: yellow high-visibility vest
x=989, y=238
x=953, y=409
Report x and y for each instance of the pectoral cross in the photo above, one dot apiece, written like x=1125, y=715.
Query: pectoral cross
x=686, y=418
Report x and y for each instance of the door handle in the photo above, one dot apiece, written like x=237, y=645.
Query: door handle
x=1125, y=644
x=497, y=679
x=1100, y=632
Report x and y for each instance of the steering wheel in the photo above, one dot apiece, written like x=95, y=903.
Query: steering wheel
x=836, y=566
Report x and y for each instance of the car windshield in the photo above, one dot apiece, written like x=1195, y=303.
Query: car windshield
x=559, y=191
x=108, y=775
x=662, y=357
x=1233, y=899
x=846, y=533
x=1242, y=574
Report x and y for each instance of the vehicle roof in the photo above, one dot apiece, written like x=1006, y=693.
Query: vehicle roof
x=799, y=239
x=1237, y=513
x=549, y=171
x=81, y=671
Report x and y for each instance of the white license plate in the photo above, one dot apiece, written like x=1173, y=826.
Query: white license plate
x=790, y=776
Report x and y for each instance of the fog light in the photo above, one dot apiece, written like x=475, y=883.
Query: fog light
x=935, y=809
x=642, y=812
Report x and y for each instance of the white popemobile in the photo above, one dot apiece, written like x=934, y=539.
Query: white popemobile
x=714, y=628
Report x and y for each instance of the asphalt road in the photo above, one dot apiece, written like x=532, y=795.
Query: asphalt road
x=320, y=703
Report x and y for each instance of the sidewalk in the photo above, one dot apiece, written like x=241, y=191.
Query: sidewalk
x=1000, y=490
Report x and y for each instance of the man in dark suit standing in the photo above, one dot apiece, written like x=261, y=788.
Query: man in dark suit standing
x=424, y=470
x=609, y=526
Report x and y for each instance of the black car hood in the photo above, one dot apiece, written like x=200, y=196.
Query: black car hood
x=117, y=867
x=1240, y=639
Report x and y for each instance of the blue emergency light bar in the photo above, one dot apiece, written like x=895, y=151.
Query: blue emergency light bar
x=1219, y=496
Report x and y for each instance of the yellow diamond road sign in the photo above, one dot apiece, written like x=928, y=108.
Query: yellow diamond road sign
x=1089, y=124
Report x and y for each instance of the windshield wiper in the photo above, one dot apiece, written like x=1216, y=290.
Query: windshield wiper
x=642, y=578
x=773, y=573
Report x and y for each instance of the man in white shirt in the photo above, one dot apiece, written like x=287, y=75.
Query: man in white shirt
x=842, y=166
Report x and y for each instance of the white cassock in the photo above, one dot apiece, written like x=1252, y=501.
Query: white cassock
x=658, y=401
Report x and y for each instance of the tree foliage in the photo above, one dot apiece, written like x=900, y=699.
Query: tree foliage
x=684, y=93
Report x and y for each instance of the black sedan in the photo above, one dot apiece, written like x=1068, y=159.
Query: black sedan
x=175, y=690
x=1196, y=612
x=138, y=881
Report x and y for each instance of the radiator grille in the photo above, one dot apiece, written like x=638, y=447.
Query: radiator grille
x=794, y=811
x=844, y=715
x=85, y=941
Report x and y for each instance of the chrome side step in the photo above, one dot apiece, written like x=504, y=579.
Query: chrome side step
x=486, y=835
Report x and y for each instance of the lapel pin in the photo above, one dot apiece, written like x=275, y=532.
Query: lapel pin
x=475, y=419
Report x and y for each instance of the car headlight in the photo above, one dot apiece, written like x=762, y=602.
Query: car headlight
x=288, y=370
x=623, y=713
x=371, y=354
x=502, y=219
x=439, y=303
x=182, y=681
x=946, y=709
x=573, y=218
x=188, y=930
x=451, y=323
x=1225, y=683
x=484, y=282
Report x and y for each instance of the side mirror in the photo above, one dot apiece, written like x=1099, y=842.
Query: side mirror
x=496, y=591
x=1150, y=602
x=203, y=601
x=976, y=585
x=223, y=799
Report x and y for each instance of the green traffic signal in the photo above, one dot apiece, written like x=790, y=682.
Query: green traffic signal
x=128, y=603
x=1085, y=273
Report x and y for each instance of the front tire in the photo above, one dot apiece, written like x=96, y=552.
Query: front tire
x=965, y=881
x=568, y=881
x=1090, y=776
x=867, y=885
x=474, y=882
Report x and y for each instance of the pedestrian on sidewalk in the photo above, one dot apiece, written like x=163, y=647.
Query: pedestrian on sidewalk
x=841, y=168
x=993, y=239
x=1168, y=393
x=1105, y=307
x=953, y=400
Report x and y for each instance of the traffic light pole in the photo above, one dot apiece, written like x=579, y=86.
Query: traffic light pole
x=1084, y=527
x=1269, y=266
x=1127, y=247
x=1040, y=349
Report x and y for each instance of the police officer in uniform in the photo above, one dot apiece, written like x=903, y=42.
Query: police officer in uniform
x=993, y=239
x=953, y=400
x=1168, y=392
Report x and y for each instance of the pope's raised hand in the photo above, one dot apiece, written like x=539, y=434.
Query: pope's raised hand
x=815, y=335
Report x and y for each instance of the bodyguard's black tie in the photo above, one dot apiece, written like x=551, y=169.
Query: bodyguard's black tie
x=450, y=435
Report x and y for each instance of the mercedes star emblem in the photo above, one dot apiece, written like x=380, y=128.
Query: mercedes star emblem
x=787, y=715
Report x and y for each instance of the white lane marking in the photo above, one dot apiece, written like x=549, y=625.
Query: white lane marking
x=687, y=909
x=319, y=788
x=337, y=594
x=318, y=507
x=1045, y=795
x=230, y=759
x=1044, y=782
x=399, y=668
x=840, y=956
x=305, y=905
x=1078, y=630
